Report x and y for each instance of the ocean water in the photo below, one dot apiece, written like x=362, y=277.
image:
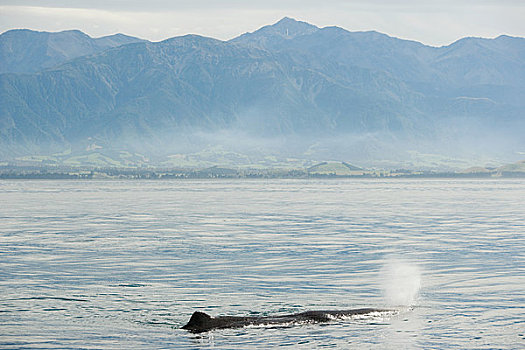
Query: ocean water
x=123, y=264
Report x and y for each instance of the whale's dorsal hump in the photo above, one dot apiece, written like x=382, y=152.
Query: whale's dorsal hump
x=199, y=320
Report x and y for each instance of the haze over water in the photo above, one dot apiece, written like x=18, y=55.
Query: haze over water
x=123, y=264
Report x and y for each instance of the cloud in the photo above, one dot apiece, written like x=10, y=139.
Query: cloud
x=176, y=5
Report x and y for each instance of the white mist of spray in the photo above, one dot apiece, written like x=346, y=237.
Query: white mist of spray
x=401, y=281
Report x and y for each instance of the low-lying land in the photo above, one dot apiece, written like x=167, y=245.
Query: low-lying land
x=320, y=170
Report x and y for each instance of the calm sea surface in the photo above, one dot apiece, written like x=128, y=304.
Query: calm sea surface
x=123, y=264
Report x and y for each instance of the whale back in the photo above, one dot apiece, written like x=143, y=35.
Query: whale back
x=202, y=322
x=199, y=320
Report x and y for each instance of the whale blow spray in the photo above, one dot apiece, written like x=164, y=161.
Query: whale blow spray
x=401, y=281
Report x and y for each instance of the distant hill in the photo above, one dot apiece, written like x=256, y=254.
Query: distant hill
x=335, y=168
x=516, y=169
x=291, y=89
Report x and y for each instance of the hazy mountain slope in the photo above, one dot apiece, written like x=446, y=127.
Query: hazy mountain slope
x=328, y=90
x=371, y=50
x=27, y=51
x=191, y=82
x=473, y=83
x=471, y=64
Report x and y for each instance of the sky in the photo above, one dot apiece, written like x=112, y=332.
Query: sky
x=435, y=22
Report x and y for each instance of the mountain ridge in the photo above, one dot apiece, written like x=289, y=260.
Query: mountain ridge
x=41, y=49
x=357, y=94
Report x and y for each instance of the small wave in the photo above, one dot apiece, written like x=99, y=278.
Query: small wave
x=130, y=285
x=375, y=317
x=49, y=298
x=371, y=316
x=157, y=323
x=284, y=324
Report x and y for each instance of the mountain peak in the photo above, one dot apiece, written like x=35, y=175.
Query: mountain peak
x=288, y=21
x=290, y=28
x=284, y=29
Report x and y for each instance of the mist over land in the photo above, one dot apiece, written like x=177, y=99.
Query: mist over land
x=288, y=93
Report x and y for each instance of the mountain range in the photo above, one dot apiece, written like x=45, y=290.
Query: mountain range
x=289, y=89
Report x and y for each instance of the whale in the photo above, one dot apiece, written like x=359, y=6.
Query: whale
x=202, y=322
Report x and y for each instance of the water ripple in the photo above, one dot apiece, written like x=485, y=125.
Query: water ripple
x=123, y=264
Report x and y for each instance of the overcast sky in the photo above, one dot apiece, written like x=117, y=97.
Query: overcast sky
x=435, y=22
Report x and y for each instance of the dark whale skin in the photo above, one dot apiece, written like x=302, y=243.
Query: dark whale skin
x=202, y=322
